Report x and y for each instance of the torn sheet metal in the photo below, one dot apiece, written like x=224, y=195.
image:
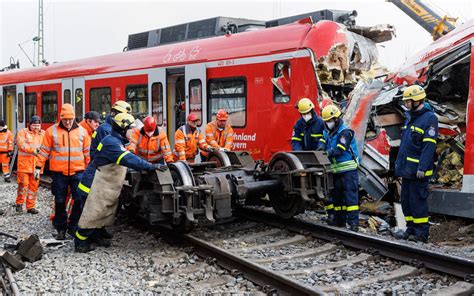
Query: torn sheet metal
x=378, y=33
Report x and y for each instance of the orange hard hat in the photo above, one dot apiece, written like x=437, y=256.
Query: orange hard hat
x=149, y=124
x=192, y=117
x=67, y=112
x=221, y=115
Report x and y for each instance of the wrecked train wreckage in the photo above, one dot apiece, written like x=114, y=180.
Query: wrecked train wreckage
x=375, y=112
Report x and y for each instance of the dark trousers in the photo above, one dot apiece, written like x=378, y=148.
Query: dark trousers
x=79, y=202
x=415, y=206
x=345, y=197
x=59, y=188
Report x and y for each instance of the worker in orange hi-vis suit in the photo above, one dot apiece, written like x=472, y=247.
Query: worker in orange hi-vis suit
x=188, y=140
x=219, y=133
x=29, y=141
x=151, y=142
x=90, y=122
x=66, y=146
x=6, y=149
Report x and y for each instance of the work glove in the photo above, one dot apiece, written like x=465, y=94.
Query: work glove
x=420, y=174
x=320, y=149
x=37, y=150
x=37, y=173
x=160, y=167
x=223, y=149
x=210, y=149
x=10, y=153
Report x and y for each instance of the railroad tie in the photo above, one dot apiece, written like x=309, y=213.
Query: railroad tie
x=354, y=260
x=345, y=288
x=458, y=289
x=295, y=239
x=326, y=248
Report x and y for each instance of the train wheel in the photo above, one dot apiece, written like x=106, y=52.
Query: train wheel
x=182, y=176
x=221, y=159
x=286, y=205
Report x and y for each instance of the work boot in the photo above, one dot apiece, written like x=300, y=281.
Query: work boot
x=401, y=235
x=417, y=238
x=32, y=211
x=19, y=208
x=84, y=248
x=102, y=242
x=330, y=220
x=354, y=228
x=105, y=234
x=61, y=235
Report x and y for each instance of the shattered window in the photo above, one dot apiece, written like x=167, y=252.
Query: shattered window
x=229, y=94
x=281, y=82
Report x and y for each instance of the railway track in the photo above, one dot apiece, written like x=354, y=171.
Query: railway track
x=294, y=256
x=8, y=285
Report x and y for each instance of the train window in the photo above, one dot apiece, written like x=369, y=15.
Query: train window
x=100, y=100
x=49, y=106
x=67, y=96
x=79, y=103
x=195, y=98
x=281, y=83
x=229, y=94
x=30, y=105
x=157, y=102
x=137, y=97
x=20, y=108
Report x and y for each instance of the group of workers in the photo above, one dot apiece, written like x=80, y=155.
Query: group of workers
x=414, y=163
x=88, y=162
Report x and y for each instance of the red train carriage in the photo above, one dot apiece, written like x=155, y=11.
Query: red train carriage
x=233, y=72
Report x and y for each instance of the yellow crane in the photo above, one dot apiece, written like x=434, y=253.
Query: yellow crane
x=436, y=25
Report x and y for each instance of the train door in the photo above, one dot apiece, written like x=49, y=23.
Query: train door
x=67, y=89
x=195, y=91
x=78, y=86
x=20, y=109
x=9, y=101
x=175, y=101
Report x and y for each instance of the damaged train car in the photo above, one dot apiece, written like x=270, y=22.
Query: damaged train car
x=375, y=111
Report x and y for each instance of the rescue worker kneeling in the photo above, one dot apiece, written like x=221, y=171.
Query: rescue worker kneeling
x=339, y=142
x=219, y=133
x=103, y=180
x=151, y=142
x=415, y=163
x=308, y=129
x=188, y=140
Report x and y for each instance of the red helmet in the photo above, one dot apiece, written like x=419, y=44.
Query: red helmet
x=221, y=115
x=149, y=124
x=192, y=117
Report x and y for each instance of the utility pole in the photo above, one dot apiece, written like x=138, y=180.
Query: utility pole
x=40, y=34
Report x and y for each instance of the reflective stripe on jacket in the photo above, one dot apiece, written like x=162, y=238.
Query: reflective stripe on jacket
x=187, y=142
x=306, y=135
x=28, y=142
x=6, y=141
x=152, y=149
x=219, y=138
x=67, y=151
x=418, y=144
x=342, y=149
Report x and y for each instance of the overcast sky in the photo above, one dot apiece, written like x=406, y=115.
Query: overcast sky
x=78, y=29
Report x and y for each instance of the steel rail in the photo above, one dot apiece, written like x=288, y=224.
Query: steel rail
x=418, y=257
x=252, y=271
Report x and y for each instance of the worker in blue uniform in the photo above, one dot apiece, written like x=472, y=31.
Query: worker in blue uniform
x=103, y=180
x=339, y=143
x=105, y=128
x=415, y=162
x=308, y=129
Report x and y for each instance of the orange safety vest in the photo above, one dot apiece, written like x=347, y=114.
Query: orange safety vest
x=28, y=142
x=187, y=143
x=6, y=141
x=87, y=127
x=68, y=151
x=219, y=138
x=152, y=149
